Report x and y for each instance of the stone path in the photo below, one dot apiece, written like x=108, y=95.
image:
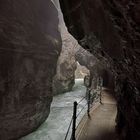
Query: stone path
x=101, y=125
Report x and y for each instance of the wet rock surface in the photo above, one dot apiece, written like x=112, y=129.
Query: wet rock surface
x=29, y=48
x=110, y=30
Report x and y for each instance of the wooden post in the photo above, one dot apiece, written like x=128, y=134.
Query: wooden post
x=74, y=120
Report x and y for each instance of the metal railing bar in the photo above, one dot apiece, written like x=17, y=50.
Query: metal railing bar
x=76, y=115
x=81, y=111
x=68, y=128
x=81, y=100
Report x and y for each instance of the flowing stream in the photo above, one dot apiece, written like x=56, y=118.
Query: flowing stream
x=56, y=125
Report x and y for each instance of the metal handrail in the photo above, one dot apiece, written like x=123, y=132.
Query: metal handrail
x=68, y=129
x=75, y=115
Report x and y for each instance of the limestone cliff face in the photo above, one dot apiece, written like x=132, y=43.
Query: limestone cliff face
x=110, y=30
x=29, y=48
x=71, y=52
x=64, y=79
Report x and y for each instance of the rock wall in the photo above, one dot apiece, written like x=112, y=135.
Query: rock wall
x=64, y=79
x=110, y=30
x=30, y=44
x=93, y=64
x=85, y=58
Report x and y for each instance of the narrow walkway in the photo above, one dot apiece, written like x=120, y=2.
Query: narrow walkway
x=101, y=125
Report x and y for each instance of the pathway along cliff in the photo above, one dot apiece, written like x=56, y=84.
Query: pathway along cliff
x=55, y=127
x=101, y=125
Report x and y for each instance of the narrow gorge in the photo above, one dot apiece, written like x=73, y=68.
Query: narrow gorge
x=57, y=52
